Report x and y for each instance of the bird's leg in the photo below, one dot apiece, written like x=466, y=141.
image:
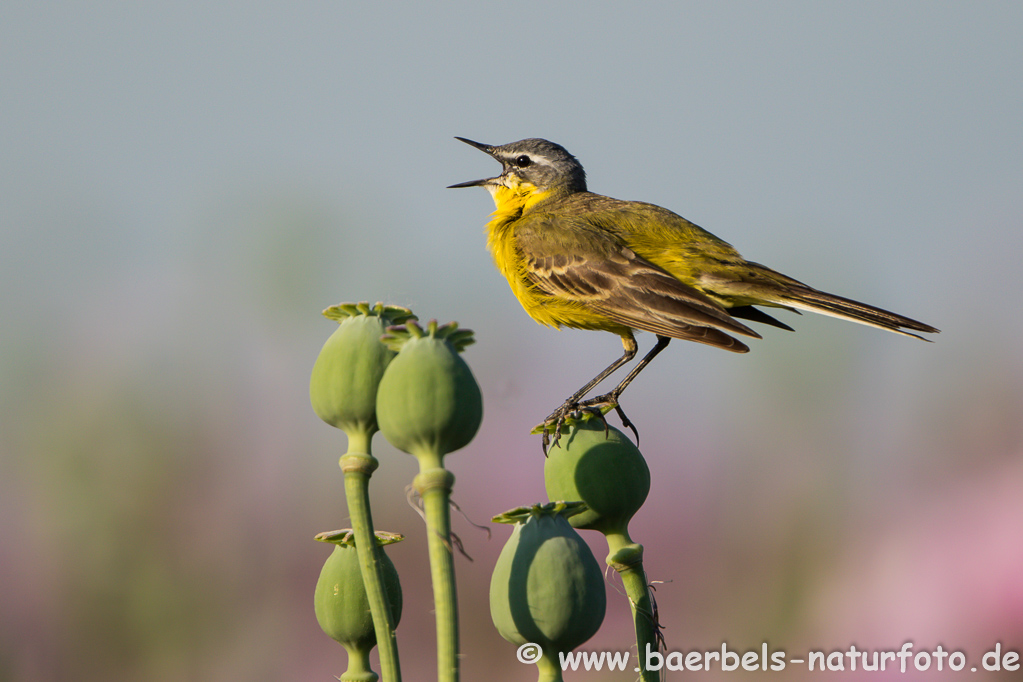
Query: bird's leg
x=611, y=398
x=630, y=352
x=557, y=418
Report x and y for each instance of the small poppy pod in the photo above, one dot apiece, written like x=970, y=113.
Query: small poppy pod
x=343, y=386
x=340, y=602
x=428, y=401
x=547, y=588
x=600, y=466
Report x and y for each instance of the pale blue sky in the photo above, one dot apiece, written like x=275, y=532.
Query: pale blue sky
x=183, y=186
x=873, y=150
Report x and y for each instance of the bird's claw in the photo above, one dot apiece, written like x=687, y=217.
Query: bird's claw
x=557, y=419
x=551, y=427
x=567, y=413
x=610, y=400
x=626, y=422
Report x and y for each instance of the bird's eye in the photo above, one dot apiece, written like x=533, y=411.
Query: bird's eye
x=523, y=161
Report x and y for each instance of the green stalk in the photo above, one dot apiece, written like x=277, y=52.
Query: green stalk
x=428, y=405
x=358, y=667
x=548, y=669
x=434, y=484
x=358, y=466
x=626, y=557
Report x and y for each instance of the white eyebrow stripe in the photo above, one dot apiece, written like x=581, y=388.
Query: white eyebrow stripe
x=534, y=157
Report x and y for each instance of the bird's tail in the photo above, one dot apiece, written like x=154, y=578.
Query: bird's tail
x=847, y=309
x=789, y=293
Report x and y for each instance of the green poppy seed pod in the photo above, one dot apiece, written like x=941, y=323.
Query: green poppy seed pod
x=429, y=402
x=340, y=602
x=343, y=387
x=599, y=465
x=547, y=587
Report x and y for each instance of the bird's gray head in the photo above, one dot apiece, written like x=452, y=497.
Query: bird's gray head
x=542, y=164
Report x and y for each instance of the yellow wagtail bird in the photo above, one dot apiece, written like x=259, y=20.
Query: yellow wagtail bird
x=586, y=261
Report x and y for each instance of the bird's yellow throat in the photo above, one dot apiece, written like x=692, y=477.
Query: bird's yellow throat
x=512, y=201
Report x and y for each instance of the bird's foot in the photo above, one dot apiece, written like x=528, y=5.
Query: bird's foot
x=570, y=412
x=605, y=403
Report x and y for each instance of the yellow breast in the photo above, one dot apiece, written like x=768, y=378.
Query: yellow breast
x=501, y=240
x=510, y=202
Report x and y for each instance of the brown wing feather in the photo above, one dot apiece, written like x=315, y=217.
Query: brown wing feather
x=636, y=293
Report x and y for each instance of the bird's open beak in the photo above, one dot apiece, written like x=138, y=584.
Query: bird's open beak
x=474, y=183
x=488, y=149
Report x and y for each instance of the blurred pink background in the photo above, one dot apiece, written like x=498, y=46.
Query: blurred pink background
x=184, y=187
